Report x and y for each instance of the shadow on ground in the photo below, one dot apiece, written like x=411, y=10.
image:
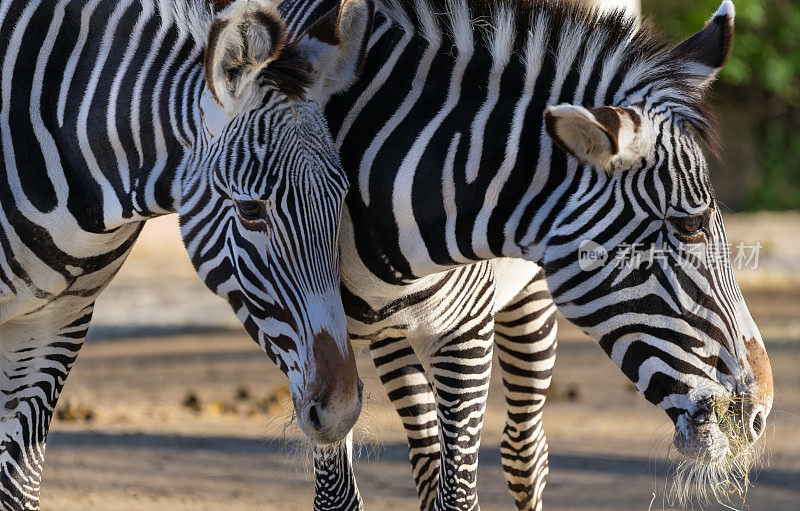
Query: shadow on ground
x=619, y=465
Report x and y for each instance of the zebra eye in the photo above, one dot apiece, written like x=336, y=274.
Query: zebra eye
x=688, y=225
x=250, y=209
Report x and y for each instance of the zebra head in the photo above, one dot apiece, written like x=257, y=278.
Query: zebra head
x=262, y=195
x=638, y=258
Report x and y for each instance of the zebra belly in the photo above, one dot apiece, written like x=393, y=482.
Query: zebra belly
x=511, y=275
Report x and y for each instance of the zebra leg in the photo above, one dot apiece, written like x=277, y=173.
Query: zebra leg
x=410, y=391
x=335, y=486
x=34, y=368
x=460, y=368
x=525, y=336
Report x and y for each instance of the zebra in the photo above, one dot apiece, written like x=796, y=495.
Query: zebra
x=555, y=134
x=115, y=112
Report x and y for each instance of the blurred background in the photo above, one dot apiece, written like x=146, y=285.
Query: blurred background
x=757, y=98
x=171, y=406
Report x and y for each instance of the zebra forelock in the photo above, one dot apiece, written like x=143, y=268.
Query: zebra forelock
x=194, y=17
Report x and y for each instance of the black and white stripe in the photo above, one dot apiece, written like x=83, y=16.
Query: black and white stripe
x=458, y=301
x=481, y=130
x=114, y=112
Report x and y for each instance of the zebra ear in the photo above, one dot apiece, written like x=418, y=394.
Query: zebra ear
x=704, y=53
x=605, y=136
x=335, y=45
x=241, y=42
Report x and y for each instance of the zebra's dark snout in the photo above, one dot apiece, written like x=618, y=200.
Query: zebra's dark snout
x=761, y=391
x=330, y=403
x=329, y=420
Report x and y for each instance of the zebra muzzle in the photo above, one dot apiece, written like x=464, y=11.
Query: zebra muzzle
x=698, y=436
x=330, y=403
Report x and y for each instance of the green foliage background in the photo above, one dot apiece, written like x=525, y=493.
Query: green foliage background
x=757, y=96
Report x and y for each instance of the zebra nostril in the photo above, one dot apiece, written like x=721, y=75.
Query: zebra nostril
x=758, y=423
x=313, y=417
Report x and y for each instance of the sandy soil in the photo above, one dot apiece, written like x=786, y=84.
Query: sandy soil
x=171, y=406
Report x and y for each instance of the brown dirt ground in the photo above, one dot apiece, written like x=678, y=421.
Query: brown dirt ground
x=140, y=448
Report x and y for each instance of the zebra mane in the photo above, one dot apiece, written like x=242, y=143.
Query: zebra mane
x=190, y=17
x=631, y=51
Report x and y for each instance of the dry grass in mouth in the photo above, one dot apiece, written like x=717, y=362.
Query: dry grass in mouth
x=727, y=480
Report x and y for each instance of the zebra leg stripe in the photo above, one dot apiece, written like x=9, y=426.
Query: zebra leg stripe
x=34, y=371
x=408, y=387
x=460, y=369
x=335, y=487
x=525, y=336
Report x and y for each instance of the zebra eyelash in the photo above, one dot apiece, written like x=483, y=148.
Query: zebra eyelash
x=251, y=210
x=691, y=228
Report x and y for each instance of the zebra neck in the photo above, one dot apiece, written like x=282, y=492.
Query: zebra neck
x=458, y=169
